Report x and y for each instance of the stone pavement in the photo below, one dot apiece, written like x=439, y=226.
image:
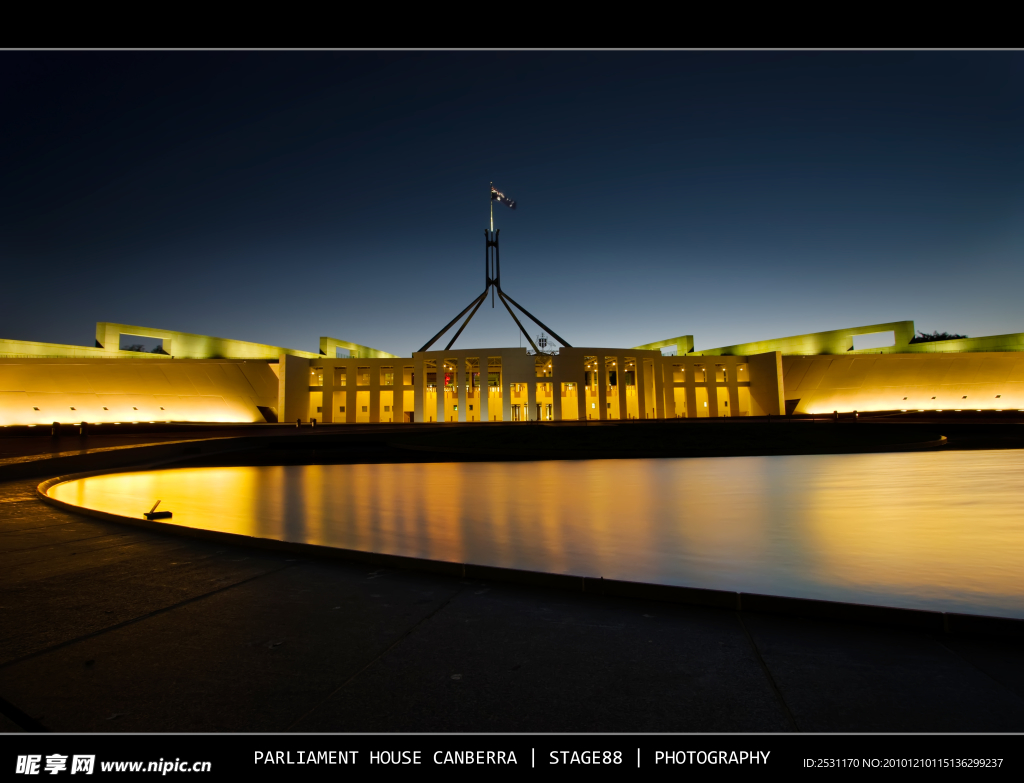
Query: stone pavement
x=110, y=628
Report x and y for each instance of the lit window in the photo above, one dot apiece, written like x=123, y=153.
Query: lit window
x=592, y=405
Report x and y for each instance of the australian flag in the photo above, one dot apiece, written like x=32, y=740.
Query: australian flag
x=497, y=195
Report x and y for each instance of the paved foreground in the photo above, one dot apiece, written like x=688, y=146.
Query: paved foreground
x=109, y=628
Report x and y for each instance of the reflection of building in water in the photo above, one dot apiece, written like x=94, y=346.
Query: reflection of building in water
x=187, y=377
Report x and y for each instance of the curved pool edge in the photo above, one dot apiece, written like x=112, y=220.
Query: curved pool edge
x=916, y=619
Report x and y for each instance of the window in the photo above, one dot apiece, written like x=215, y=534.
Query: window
x=341, y=409
x=316, y=376
x=387, y=409
x=471, y=407
x=319, y=409
x=362, y=376
x=387, y=376
x=364, y=409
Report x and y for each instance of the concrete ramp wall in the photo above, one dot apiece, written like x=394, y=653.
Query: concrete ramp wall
x=883, y=382
x=40, y=391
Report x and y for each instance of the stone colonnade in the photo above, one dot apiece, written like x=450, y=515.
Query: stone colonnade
x=391, y=389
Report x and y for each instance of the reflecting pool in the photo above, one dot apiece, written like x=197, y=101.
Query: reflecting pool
x=924, y=530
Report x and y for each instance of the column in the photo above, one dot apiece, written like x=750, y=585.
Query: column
x=419, y=390
x=439, y=409
x=691, y=394
x=620, y=367
x=640, y=377
x=580, y=372
x=485, y=391
x=461, y=384
x=327, y=409
x=350, y=393
x=658, y=387
x=374, y=390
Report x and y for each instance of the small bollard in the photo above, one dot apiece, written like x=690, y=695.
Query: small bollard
x=55, y=429
x=855, y=415
x=312, y=422
x=82, y=429
x=835, y=416
x=298, y=423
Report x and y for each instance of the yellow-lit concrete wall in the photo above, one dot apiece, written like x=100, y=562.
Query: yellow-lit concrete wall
x=293, y=388
x=988, y=344
x=41, y=391
x=328, y=346
x=683, y=345
x=25, y=349
x=947, y=381
x=837, y=342
x=193, y=346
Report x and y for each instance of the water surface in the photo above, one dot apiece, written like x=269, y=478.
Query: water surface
x=923, y=530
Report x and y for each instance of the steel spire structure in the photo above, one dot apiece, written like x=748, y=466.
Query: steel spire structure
x=492, y=284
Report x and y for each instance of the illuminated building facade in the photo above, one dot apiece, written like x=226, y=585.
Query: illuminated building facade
x=196, y=378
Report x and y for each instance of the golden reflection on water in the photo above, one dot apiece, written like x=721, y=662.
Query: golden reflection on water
x=927, y=530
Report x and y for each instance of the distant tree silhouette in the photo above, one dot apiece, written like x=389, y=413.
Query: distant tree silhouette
x=140, y=348
x=929, y=338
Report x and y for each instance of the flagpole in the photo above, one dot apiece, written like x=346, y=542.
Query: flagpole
x=490, y=197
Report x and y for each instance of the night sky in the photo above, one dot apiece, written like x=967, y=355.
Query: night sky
x=279, y=196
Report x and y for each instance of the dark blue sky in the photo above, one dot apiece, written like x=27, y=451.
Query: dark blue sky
x=735, y=196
